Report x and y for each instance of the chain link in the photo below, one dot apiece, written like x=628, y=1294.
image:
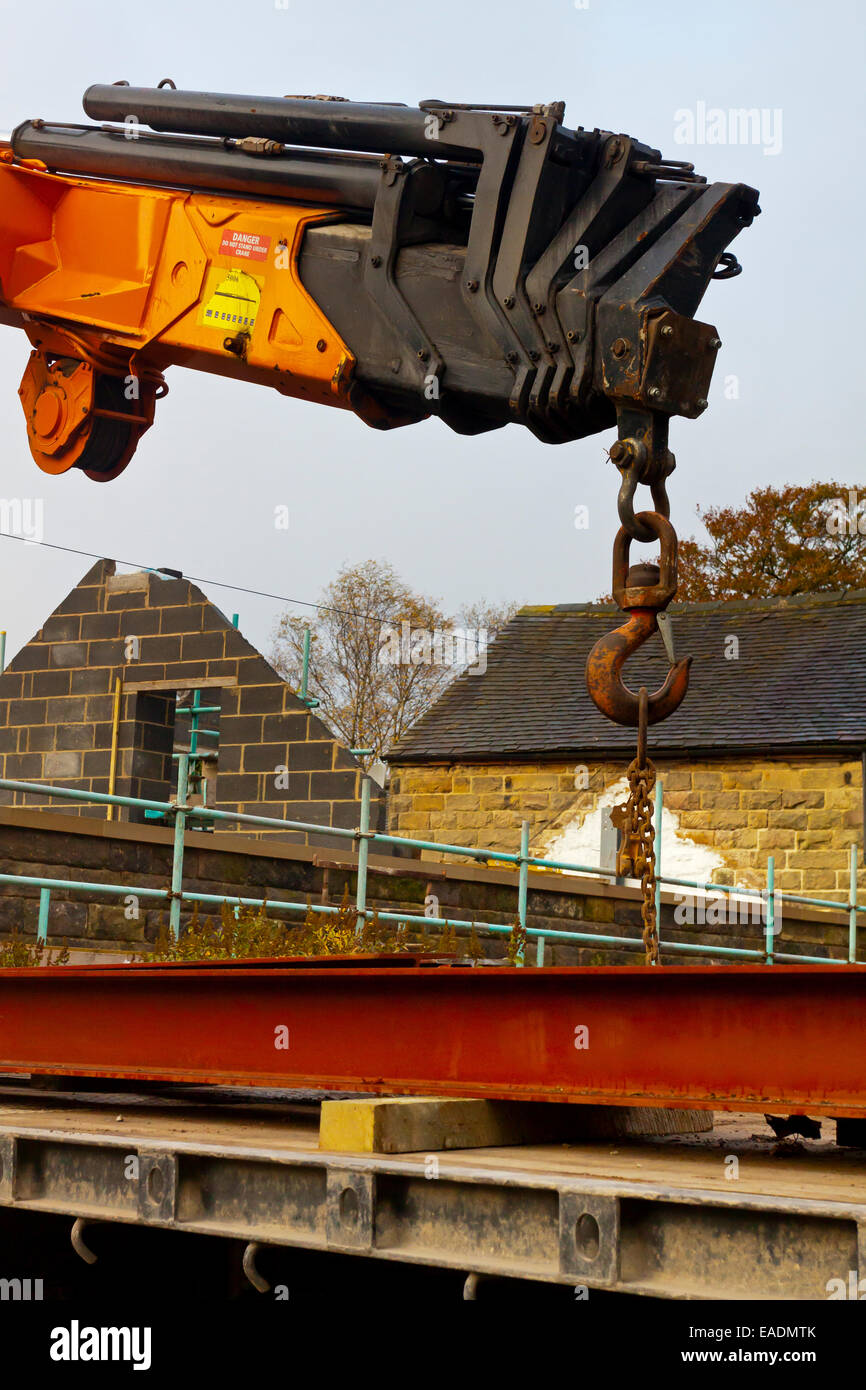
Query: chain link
x=636, y=857
x=641, y=780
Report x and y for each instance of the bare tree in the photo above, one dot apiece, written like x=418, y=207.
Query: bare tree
x=380, y=654
x=487, y=617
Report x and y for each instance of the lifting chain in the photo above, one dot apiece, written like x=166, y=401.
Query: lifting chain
x=636, y=856
x=642, y=592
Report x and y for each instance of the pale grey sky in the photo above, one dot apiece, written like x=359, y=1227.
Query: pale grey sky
x=491, y=515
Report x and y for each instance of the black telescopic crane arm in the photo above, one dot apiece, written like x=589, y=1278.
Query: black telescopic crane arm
x=347, y=182
x=335, y=125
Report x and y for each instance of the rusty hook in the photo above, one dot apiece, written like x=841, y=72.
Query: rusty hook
x=642, y=592
x=604, y=673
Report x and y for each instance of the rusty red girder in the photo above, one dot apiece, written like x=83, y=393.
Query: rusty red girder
x=729, y=1037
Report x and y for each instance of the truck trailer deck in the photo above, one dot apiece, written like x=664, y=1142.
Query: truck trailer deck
x=727, y=1214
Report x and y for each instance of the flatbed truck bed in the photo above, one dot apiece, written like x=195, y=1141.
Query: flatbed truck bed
x=727, y=1214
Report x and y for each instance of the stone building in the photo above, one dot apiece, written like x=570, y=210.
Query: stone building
x=764, y=757
x=170, y=648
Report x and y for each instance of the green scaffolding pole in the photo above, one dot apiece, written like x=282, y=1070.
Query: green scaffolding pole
x=363, y=853
x=44, y=904
x=523, y=890
x=771, y=908
x=309, y=700
x=177, y=857
x=852, y=904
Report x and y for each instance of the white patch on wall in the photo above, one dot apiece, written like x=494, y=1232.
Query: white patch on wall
x=579, y=841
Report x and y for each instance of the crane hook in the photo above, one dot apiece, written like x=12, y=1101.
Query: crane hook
x=642, y=591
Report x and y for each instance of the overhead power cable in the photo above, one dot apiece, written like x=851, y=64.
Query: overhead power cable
x=196, y=579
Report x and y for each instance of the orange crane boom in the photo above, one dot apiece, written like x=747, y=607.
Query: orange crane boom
x=486, y=265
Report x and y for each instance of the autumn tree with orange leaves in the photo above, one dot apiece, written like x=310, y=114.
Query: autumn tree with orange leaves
x=783, y=541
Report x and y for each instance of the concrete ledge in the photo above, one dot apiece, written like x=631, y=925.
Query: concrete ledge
x=417, y=1124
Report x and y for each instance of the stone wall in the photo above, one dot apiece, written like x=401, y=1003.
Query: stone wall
x=43, y=844
x=723, y=816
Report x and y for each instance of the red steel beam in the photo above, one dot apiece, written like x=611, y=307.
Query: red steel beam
x=741, y=1037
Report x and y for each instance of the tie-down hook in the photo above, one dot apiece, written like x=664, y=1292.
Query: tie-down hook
x=641, y=591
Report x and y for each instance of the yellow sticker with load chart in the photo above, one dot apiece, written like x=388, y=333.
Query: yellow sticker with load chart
x=231, y=301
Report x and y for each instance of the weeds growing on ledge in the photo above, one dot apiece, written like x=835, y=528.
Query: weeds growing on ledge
x=515, y=947
x=19, y=951
x=252, y=933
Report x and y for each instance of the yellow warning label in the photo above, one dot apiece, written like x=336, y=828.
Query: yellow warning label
x=231, y=300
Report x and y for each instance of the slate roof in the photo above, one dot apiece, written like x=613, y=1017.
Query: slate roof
x=799, y=683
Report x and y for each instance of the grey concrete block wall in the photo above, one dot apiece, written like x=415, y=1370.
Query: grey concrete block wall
x=161, y=635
